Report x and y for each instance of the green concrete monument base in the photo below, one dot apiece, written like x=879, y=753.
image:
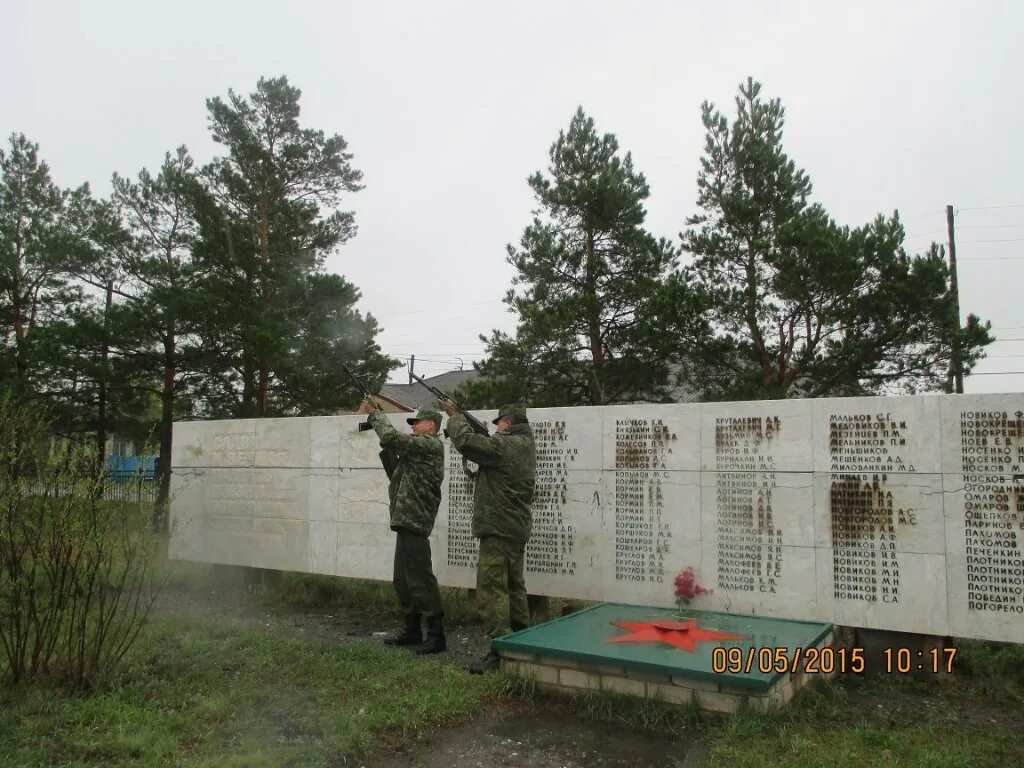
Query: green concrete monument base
x=716, y=660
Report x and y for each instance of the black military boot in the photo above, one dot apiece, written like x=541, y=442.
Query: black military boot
x=516, y=626
x=435, y=638
x=411, y=635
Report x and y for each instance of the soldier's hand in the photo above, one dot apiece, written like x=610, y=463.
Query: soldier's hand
x=447, y=407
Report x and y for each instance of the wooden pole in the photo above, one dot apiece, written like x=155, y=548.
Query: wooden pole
x=956, y=366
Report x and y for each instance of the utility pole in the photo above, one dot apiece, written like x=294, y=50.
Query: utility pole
x=956, y=366
x=101, y=415
x=412, y=365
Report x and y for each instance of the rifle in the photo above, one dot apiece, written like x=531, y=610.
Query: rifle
x=475, y=424
x=363, y=425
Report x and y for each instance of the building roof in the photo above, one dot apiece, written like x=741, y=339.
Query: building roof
x=416, y=395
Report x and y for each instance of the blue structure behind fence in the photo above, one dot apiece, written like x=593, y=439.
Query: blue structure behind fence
x=125, y=468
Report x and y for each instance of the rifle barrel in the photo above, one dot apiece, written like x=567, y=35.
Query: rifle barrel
x=478, y=426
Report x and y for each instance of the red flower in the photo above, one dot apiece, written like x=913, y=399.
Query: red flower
x=687, y=587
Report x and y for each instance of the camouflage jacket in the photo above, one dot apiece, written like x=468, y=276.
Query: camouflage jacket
x=505, y=483
x=415, y=468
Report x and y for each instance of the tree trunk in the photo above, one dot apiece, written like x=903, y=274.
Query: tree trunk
x=163, y=468
x=248, y=409
x=594, y=325
x=101, y=416
x=264, y=238
x=750, y=316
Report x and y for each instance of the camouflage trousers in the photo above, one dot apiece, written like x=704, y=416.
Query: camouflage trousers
x=500, y=586
x=414, y=580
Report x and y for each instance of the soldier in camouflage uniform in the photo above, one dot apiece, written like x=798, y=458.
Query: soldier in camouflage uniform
x=501, y=516
x=415, y=467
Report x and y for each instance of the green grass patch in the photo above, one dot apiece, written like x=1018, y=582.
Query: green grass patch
x=752, y=743
x=996, y=668
x=872, y=721
x=195, y=694
x=850, y=722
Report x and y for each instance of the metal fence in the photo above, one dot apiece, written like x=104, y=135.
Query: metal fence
x=139, y=490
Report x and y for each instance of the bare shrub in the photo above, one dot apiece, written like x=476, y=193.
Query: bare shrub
x=75, y=582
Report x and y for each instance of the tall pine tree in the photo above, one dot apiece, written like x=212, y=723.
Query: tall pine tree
x=282, y=184
x=39, y=257
x=801, y=306
x=588, y=279
x=160, y=305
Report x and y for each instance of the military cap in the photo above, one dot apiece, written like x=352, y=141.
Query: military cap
x=515, y=412
x=426, y=413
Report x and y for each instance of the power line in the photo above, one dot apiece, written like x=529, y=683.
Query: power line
x=449, y=306
x=924, y=234
x=1001, y=240
x=435, y=344
x=918, y=216
x=991, y=207
x=992, y=226
x=443, y=358
x=919, y=235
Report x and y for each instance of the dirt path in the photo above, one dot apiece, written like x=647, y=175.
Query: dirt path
x=524, y=739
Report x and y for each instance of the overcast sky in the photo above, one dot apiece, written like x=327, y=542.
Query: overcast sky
x=449, y=106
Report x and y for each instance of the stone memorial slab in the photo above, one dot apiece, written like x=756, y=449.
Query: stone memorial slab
x=323, y=547
x=896, y=591
x=458, y=552
x=877, y=435
x=363, y=497
x=186, y=514
x=366, y=550
x=337, y=443
x=564, y=549
x=284, y=443
x=897, y=513
x=758, y=542
x=230, y=443
x=762, y=579
x=983, y=457
x=651, y=525
x=764, y=436
x=852, y=510
x=651, y=438
x=567, y=439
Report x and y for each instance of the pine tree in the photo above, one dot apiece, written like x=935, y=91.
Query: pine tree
x=39, y=256
x=800, y=305
x=282, y=183
x=588, y=276
x=159, y=308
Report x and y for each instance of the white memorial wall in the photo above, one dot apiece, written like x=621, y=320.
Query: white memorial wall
x=902, y=513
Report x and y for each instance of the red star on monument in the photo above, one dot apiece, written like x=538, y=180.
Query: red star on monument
x=680, y=634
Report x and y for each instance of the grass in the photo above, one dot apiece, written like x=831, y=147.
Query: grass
x=195, y=694
x=742, y=744
x=878, y=721
x=970, y=720
x=997, y=669
x=208, y=693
